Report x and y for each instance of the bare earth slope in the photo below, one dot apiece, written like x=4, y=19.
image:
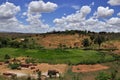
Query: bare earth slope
x=55, y=40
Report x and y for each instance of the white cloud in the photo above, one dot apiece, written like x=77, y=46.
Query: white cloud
x=114, y=24
x=78, y=21
x=114, y=2
x=74, y=18
x=41, y=7
x=35, y=8
x=73, y=21
x=9, y=22
x=24, y=14
x=103, y=12
x=85, y=10
x=8, y=10
x=118, y=14
x=114, y=21
x=76, y=7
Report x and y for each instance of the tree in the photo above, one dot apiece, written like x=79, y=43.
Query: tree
x=99, y=40
x=86, y=42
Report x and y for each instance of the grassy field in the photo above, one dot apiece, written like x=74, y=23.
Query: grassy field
x=69, y=56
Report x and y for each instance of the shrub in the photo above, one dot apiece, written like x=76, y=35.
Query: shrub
x=86, y=42
x=14, y=65
x=7, y=56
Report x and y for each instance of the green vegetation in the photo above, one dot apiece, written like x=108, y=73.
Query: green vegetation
x=86, y=42
x=103, y=76
x=14, y=65
x=69, y=56
x=7, y=56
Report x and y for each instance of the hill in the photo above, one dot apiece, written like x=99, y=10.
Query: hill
x=64, y=39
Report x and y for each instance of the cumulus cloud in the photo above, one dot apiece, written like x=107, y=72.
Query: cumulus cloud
x=78, y=21
x=34, y=14
x=8, y=10
x=73, y=21
x=41, y=7
x=114, y=2
x=114, y=21
x=73, y=18
x=9, y=22
x=103, y=12
x=35, y=8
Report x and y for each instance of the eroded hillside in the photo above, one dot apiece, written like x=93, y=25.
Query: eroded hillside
x=60, y=40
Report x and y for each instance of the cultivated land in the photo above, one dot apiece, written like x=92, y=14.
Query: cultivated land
x=69, y=56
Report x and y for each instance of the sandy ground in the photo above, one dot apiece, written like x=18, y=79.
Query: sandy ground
x=88, y=68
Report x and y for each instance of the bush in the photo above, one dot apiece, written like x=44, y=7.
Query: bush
x=14, y=65
x=7, y=56
x=86, y=42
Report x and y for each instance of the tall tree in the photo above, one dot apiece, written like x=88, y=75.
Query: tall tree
x=99, y=40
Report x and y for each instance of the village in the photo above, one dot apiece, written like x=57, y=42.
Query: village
x=32, y=70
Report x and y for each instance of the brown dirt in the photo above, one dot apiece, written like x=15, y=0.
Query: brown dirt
x=117, y=44
x=44, y=67
x=88, y=68
x=112, y=45
x=54, y=40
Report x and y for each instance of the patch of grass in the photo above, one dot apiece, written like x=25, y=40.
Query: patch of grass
x=69, y=56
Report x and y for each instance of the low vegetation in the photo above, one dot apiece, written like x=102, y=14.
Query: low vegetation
x=68, y=56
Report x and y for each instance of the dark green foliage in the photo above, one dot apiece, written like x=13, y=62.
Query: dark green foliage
x=6, y=57
x=86, y=42
x=4, y=42
x=15, y=44
x=99, y=40
x=14, y=65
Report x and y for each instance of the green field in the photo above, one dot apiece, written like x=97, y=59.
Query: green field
x=69, y=56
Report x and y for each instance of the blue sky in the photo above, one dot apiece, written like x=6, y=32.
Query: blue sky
x=59, y=15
